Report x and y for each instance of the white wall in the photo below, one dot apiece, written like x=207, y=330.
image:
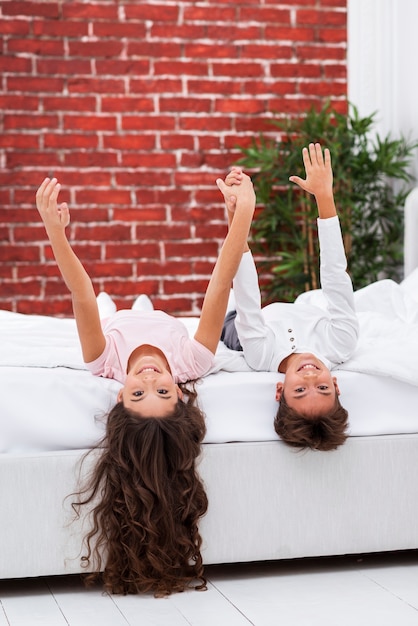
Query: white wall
x=383, y=64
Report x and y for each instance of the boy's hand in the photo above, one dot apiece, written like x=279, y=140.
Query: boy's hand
x=55, y=217
x=318, y=171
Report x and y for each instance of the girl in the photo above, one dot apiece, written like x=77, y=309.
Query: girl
x=145, y=493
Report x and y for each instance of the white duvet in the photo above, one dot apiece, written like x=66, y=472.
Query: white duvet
x=49, y=400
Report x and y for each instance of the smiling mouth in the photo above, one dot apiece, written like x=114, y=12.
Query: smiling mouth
x=149, y=368
x=308, y=366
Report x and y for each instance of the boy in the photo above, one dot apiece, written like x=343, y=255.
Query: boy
x=300, y=340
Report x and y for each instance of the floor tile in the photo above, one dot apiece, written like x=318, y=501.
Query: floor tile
x=29, y=602
x=83, y=606
x=311, y=595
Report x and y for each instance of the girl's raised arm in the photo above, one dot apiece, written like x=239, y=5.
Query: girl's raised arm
x=216, y=299
x=56, y=218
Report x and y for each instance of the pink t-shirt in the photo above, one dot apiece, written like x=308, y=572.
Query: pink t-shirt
x=126, y=330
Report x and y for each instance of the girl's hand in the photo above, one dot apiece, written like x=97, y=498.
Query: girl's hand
x=237, y=187
x=55, y=217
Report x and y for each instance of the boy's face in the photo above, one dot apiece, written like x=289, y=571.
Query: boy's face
x=308, y=386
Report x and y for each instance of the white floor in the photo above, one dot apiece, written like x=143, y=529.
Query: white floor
x=379, y=590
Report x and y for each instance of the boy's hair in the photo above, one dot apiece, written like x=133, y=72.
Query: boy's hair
x=323, y=432
x=146, y=499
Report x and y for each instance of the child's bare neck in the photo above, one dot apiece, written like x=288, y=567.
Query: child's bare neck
x=285, y=363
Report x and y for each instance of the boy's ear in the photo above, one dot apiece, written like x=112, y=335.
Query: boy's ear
x=279, y=391
x=337, y=390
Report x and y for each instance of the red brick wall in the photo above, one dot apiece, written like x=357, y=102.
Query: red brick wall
x=137, y=107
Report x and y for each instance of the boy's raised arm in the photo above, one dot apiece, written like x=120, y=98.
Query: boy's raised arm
x=319, y=179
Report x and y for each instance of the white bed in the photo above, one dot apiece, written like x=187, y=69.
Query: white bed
x=266, y=501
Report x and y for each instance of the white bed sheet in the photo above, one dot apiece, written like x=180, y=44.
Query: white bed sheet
x=49, y=401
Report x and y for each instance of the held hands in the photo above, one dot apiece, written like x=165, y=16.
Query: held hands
x=55, y=217
x=237, y=190
x=318, y=171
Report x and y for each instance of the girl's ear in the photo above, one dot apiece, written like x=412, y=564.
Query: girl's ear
x=179, y=393
x=120, y=392
x=279, y=391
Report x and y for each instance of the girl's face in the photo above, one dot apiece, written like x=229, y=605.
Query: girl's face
x=308, y=386
x=149, y=388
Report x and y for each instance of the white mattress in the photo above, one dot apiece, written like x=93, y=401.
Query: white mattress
x=49, y=401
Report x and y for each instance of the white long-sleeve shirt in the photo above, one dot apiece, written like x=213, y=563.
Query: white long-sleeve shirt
x=328, y=330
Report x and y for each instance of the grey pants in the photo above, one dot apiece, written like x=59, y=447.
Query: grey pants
x=229, y=333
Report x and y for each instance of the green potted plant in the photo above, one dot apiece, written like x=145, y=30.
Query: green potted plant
x=370, y=185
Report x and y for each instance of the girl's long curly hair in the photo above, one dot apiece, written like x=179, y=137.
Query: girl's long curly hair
x=146, y=499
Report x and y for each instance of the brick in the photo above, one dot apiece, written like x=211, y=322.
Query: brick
x=64, y=67
x=265, y=15
x=16, y=27
x=191, y=249
x=332, y=35
x=128, y=142
x=154, y=86
x=95, y=49
x=34, y=121
x=19, y=103
x=121, y=67
x=210, y=51
x=15, y=65
x=181, y=68
x=70, y=140
x=197, y=105
x=160, y=268
x=179, y=31
x=74, y=103
x=95, y=85
x=60, y=28
x=31, y=159
x=16, y=253
x=62, y=308
x=186, y=286
x=85, y=11
x=112, y=196
x=210, y=14
x=90, y=122
x=162, y=232
x=36, y=84
x=90, y=159
x=162, y=160
x=268, y=51
x=295, y=70
x=36, y=46
x=131, y=287
x=104, y=232
x=177, y=142
x=238, y=69
x=113, y=28
x=24, y=141
x=47, y=9
x=211, y=124
x=243, y=105
x=157, y=123
x=156, y=13
x=158, y=49
x=26, y=288
x=132, y=251
x=139, y=105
